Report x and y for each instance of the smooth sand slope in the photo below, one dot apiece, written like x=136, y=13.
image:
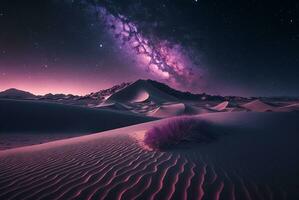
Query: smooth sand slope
x=254, y=157
x=31, y=122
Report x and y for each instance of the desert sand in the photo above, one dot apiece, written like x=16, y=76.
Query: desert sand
x=30, y=122
x=255, y=156
x=95, y=147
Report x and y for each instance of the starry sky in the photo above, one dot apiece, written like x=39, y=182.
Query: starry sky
x=232, y=47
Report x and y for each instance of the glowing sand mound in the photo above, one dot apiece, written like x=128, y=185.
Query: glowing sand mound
x=220, y=107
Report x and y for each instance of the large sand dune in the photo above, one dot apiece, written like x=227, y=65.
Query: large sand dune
x=255, y=157
x=140, y=90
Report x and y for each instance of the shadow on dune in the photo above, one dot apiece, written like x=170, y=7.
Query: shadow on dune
x=34, y=117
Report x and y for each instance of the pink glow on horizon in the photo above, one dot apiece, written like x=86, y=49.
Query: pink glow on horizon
x=48, y=87
x=41, y=85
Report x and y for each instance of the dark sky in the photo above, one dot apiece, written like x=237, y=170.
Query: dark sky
x=220, y=47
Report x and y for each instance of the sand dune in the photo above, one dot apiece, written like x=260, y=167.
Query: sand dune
x=168, y=110
x=177, y=109
x=258, y=106
x=253, y=158
x=23, y=116
x=141, y=90
x=114, y=106
x=220, y=107
x=289, y=108
x=141, y=97
x=195, y=110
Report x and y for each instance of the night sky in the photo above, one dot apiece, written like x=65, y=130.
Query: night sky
x=232, y=47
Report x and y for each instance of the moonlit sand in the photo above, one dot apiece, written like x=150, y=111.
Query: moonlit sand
x=254, y=157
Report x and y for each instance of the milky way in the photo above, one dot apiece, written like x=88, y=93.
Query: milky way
x=163, y=59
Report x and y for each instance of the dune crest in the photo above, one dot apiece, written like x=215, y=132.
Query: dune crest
x=220, y=107
x=141, y=88
x=141, y=97
x=168, y=110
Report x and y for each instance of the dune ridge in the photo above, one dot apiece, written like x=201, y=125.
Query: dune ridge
x=141, y=90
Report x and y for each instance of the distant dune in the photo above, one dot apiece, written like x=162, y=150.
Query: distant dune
x=141, y=90
x=168, y=110
x=16, y=94
x=221, y=107
x=258, y=106
x=254, y=157
x=289, y=108
x=146, y=97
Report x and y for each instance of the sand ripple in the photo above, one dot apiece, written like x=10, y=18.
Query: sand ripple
x=107, y=168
